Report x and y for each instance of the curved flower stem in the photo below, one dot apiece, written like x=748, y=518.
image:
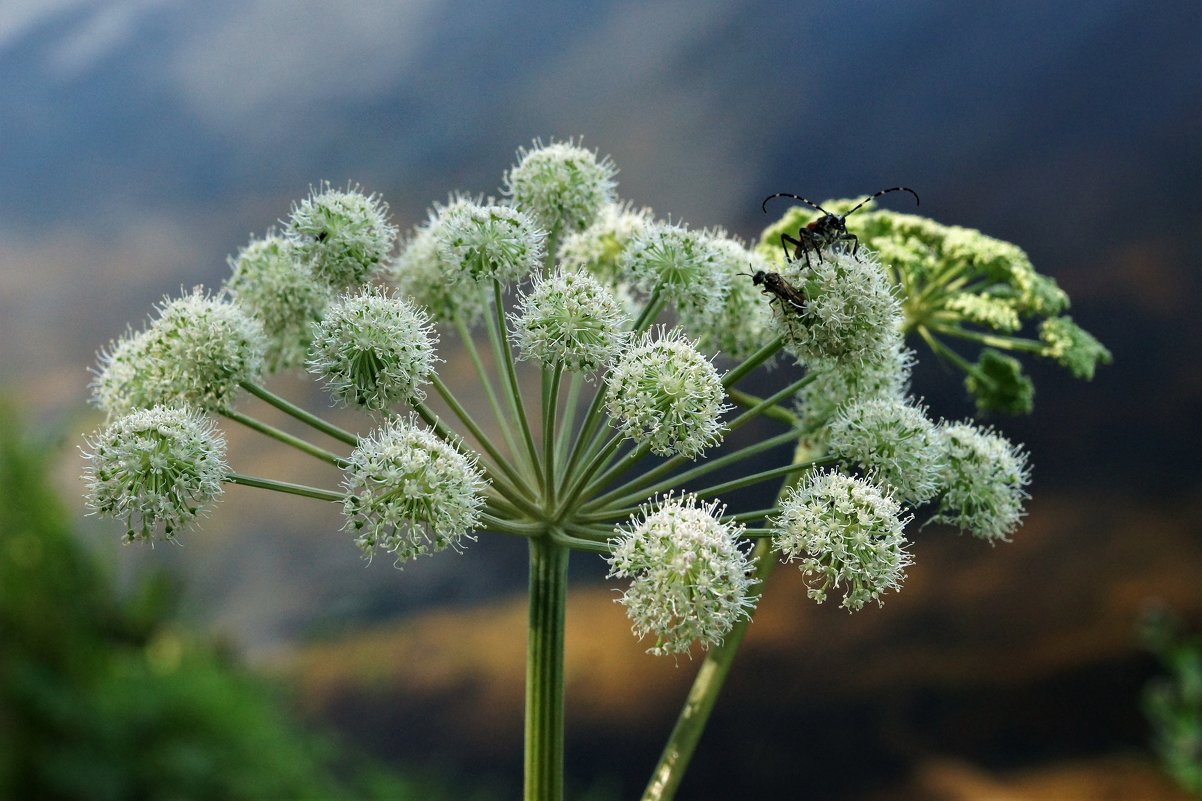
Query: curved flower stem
x=285, y=437
x=500, y=344
x=469, y=344
x=501, y=462
x=284, y=486
x=637, y=489
x=682, y=742
x=754, y=360
x=748, y=401
x=306, y=417
x=544, y=669
x=551, y=381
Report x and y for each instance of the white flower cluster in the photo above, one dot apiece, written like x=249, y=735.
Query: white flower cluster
x=342, y=236
x=570, y=318
x=845, y=532
x=195, y=353
x=691, y=575
x=561, y=185
x=411, y=493
x=374, y=350
x=663, y=392
x=155, y=469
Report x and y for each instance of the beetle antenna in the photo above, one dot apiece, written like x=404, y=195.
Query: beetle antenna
x=917, y=202
x=809, y=203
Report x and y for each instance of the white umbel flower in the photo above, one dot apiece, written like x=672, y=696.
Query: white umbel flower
x=156, y=469
x=489, y=242
x=692, y=578
x=893, y=441
x=663, y=392
x=845, y=532
x=195, y=354
x=410, y=493
x=342, y=235
x=561, y=185
x=570, y=318
x=374, y=350
x=984, y=479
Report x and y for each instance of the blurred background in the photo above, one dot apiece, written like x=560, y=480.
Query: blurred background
x=142, y=142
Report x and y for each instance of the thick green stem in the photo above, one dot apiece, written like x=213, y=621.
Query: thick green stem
x=544, y=670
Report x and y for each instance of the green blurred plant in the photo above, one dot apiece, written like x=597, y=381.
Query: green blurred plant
x=1173, y=700
x=105, y=697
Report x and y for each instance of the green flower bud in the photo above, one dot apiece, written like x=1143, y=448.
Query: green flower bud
x=1072, y=346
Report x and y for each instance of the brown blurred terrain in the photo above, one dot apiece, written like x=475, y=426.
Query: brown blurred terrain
x=996, y=673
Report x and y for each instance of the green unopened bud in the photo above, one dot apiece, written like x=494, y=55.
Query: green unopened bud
x=1072, y=346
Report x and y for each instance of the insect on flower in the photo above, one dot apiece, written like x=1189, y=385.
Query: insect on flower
x=776, y=285
x=825, y=231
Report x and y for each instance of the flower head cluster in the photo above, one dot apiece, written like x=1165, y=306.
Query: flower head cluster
x=664, y=393
x=742, y=323
x=411, y=493
x=561, y=185
x=341, y=235
x=835, y=383
x=894, y=442
x=1072, y=346
x=155, y=469
x=279, y=292
x=845, y=532
x=489, y=242
x=687, y=266
x=374, y=350
x=570, y=318
x=851, y=313
x=429, y=277
x=692, y=580
x=195, y=354
x=983, y=482
x=599, y=247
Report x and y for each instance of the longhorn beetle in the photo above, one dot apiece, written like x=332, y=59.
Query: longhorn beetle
x=775, y=284
x=825, y=231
